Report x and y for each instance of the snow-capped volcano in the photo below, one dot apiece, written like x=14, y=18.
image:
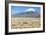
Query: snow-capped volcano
x=30, y=9
x=28, y=13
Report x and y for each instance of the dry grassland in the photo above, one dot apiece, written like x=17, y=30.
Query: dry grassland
x=23, y=22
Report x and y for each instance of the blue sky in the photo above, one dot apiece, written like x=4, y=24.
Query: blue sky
x=19, y=9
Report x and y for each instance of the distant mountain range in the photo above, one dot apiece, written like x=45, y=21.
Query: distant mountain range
x=27, y=14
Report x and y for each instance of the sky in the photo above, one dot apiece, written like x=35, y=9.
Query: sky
x=19, y=9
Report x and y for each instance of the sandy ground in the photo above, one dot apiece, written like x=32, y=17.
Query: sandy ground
x=24, y=22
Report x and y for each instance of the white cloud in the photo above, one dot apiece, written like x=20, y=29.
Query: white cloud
x=30, y=9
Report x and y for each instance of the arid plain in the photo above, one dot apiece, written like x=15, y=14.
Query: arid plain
x=25, y=22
